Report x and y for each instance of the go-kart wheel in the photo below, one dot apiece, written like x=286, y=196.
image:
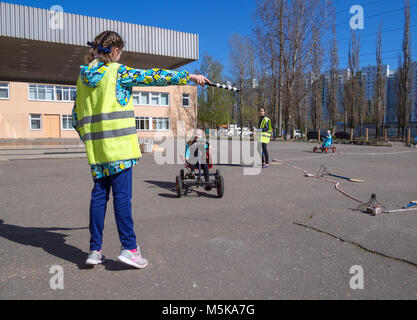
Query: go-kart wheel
x=334, y=149
x=182, y=175
x=315, y=149
x=326, y=150
x=217, y=172
x=178, y=186
x=220, y=186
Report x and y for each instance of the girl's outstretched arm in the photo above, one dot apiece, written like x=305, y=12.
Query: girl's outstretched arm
x=130, y=77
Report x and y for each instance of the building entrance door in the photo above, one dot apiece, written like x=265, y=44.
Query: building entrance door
x=51, y=125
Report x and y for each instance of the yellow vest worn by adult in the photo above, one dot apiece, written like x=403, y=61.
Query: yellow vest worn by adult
x=107, y=128
x=266, y=136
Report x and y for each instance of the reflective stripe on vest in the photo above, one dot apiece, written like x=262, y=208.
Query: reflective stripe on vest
x=109, y=134
x=107, y=116
x=107, y=128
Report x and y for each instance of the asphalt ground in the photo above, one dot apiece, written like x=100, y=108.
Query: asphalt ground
x=276, y=235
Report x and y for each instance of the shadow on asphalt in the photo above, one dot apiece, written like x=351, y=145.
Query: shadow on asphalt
x=171, y=186
x=45, y=238
x=168, y=185
x=54, y=244
x=114, y=265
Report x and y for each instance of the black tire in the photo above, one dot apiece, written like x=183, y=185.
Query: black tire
x=178, y=186
x=220, y=186
x=217, y=172
x=182, y=175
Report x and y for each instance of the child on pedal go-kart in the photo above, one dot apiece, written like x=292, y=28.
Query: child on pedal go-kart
x=327, y=144
x=194, y=161
x=328, y=140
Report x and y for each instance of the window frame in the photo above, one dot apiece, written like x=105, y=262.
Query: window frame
x=137, y=95
x=156, y=124
x=7, y=86
x=70, y=122
x=30, y=121
x=64, y=90
x=146, y=119
x=188, y=98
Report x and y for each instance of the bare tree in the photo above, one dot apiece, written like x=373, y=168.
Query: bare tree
x=293, y=26
x=404, y=77
x=317, y=81
x=268, y=28
x=303, y=21
x=239, y=62
x=280, y=61
x=243, y=73
x=379, y=100
x=302, y=106
x=354, y=102
x=333, y=80
x=214, y=105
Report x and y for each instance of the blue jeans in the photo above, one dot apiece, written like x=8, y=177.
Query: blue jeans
x=121, y=184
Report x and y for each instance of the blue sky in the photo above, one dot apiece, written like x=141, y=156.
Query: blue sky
x=216, y=20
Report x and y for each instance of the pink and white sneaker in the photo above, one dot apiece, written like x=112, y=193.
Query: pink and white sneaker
x=133, y=258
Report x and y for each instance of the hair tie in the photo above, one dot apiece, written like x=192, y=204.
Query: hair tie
x=91, y=44
x=101, y=49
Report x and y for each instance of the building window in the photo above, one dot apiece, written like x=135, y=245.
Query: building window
x=160, y=124
x=186, y=100
x=151, y=99
x=35, y=122
x=142, y=123
x=4, y=90
x=52, y=93
x=66, y=122
x=144, y=98
x=164, y=99
x=154, y=99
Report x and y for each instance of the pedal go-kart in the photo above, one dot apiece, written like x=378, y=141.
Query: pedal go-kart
x=324, y=149
x=189, y=178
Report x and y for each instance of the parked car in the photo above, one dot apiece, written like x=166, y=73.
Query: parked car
x=233, y=132
x=246, y=132
x=221, y=132
x=312, y=135
x=298, y=134
x=342, y=135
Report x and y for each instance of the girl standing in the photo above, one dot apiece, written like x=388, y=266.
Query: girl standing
x=103, y=116
x=265, y=126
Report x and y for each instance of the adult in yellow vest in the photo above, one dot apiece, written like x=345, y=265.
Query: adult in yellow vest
x=103, y=116
x=266, y=131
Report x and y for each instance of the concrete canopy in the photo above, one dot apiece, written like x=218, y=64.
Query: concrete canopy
x=45, y=46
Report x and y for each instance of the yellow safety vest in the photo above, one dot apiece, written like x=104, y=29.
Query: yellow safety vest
x=107, y=128
x=266, y=136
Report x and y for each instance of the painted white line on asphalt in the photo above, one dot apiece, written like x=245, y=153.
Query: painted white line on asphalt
x=348, y=153
x=376, y=154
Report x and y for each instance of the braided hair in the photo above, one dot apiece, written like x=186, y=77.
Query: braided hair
x=102, y=46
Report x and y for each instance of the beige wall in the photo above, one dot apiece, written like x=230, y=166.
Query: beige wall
x=14, y=113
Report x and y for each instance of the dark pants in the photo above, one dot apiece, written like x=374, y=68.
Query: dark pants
x=121, y=184
x=205, y=169
x=265, y=154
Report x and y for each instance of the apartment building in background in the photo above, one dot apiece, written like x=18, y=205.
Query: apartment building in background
x=369, y=75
